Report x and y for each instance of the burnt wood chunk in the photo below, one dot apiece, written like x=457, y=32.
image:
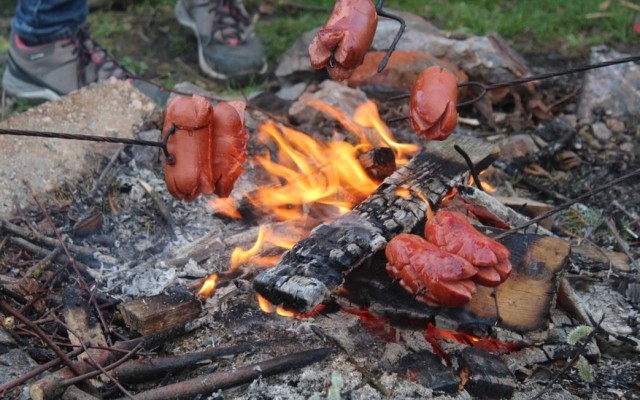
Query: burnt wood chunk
x=428, y=370
x=484, y=375
x=315, y=266
x=163, y=311
x=379, y=162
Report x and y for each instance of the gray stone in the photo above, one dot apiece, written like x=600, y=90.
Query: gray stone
x=15, y=363
x=147, y=156
x=487, y=58
x=601, y=132
x=614, y=90
x=113, y=109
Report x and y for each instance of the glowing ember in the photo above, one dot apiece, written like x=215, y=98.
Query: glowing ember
x=269, y=308
x=208, y=286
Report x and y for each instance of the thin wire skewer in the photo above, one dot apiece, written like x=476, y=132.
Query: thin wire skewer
x=108, y=139
x=484, y=88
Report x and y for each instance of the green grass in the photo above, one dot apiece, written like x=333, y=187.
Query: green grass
x=570, y=26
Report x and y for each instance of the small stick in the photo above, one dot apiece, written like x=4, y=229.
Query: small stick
x=162, y=207
x=572, y=361
x=42, y=252
x=44, y=263
x=97, y=365
x=97, y=185
x=203, y=385
x=36, y=371
x=569, y=203
x=624, y=246
x=40, y=238
x=103, y=323
x=135, y=371
x=73, y=393
x=35, y=328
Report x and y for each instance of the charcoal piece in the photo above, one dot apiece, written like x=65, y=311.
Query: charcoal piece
x=316, y=266
x=487, y=376
x=428, y=370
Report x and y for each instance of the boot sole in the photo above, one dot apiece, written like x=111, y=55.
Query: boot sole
x=25, y=90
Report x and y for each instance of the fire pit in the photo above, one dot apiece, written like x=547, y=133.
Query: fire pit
x=283, y=291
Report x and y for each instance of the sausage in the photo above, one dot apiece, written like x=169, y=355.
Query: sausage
x=433, y=112
x=345, y=37
x=452, y=232
x=208, y=147
x=433, y=275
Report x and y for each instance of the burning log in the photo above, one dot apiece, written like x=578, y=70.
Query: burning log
x=163, y=311
x=314, y=267
x=379, y=162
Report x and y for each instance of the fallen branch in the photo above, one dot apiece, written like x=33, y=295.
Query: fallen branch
x=51, y=386
x=204, y=385
x=136, y=371
x=36, y=329
x=36, y=371
x=45, y=240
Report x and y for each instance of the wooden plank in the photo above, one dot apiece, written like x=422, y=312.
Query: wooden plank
x=524, y=300
x=315, y=266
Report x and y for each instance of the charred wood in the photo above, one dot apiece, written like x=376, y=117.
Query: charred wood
x=315, y=266
x=379, y=162
x=222, y=380
x=484, y=375
x=51, y=386
x=136, y=371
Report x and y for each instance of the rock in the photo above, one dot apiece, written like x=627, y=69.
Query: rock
x=146, y=156
x=103, y=109
x=332, y=93
x=615, y=125
x=517, y=146
x=601, y=132
x=614, y=90
x=628, y=147
x=486, y=58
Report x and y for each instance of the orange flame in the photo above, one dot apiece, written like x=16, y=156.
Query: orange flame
x=209, y=286
x=240, y=256
x=311, y=179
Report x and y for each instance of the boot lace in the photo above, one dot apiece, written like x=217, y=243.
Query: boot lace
x=230, y=22
x=95, y=63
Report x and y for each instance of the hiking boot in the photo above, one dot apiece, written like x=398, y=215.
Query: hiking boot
x=228, y=48
x=52, y=70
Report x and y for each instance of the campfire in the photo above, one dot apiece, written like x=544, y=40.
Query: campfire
x=335, y=253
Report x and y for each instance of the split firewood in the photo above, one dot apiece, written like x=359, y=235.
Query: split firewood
x=315, y=266
x=163, y=311
x=82, y=326
x=520, y=304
